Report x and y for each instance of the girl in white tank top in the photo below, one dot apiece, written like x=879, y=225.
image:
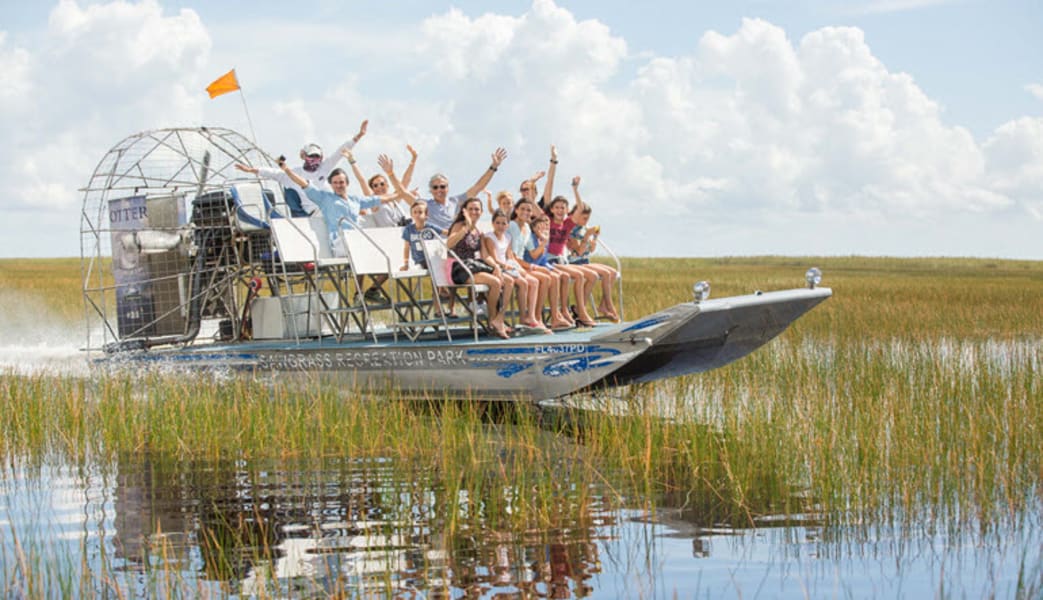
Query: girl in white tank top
x=497, y=244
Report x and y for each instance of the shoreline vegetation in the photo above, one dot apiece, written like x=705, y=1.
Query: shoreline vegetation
x=911, y=399
x=882, y=297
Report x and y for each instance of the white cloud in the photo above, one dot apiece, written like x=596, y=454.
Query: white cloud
x=94, y=76
x=15, y=64
x=1015, y=157
x=817, y=126
x=750, y=131
x=890, y=6
x=750, y=127
x=1036, y=89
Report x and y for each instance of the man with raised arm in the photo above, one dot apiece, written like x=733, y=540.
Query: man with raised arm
x=315, y=169
x=341, y=211
x=442, y=208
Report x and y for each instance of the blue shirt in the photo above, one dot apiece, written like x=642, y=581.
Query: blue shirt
x=334, y=207
x=441, y=216
x=543, y=260
x=411, y=235
x=521, y=241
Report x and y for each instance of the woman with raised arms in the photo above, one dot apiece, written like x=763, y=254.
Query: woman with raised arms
x=560, y=228
x=386, y=215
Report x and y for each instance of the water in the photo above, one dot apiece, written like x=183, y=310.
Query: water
x=315, y=528
x=150, y=526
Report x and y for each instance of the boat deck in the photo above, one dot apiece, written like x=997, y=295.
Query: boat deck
x=385, y=339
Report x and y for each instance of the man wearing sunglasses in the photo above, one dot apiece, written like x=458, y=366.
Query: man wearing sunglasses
x=442, y=208
x=314, y=169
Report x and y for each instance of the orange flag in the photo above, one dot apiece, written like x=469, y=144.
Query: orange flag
x=223, y=84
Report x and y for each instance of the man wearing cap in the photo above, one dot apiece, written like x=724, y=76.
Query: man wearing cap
x=339, y=209
x=314, y=169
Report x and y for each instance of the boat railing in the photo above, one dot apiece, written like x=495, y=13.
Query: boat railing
x=438, y=255
x=370, y=251
x=619, y=273
x=304, y=241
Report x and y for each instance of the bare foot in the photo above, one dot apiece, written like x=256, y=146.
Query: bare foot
x=560, y=324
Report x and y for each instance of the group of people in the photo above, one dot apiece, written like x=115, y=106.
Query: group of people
x=537, y=248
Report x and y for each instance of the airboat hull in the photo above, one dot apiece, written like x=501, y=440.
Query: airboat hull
x=686, y=338
x=193, y=260
x=717, y=332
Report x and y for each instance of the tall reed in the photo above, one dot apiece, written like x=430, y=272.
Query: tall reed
x=911, y=398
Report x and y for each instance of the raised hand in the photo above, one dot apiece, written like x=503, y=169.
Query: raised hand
x=362, y=130
x=386, y=163
x=412, y=153
x=498, y=157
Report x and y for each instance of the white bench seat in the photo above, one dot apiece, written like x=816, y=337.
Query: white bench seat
x=377, y=251
x=437, y=255
x=304, y=242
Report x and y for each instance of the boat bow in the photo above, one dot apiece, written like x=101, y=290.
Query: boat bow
x=699, y=336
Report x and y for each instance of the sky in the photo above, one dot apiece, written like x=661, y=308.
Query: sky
x=808, y=127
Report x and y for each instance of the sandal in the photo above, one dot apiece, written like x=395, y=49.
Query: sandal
x=498, y=333
x=538, y=326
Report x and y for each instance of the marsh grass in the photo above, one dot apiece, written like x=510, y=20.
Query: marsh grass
x=911, y=397
x=53, y=283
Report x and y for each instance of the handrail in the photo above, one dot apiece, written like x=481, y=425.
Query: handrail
x=343, y=239
x=474, y=300
x=372, y=242
x=619, y=269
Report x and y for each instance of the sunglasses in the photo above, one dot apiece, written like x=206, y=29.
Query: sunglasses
x=440, y=186
x=526, y=189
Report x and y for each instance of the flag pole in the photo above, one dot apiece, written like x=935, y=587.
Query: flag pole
x=246, y=110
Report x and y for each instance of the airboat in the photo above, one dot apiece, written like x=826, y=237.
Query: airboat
x=189, y=263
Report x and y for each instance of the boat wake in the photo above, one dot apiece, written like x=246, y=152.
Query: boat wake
x=33, y=342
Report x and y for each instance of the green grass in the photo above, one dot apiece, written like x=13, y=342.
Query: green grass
x=914, y=394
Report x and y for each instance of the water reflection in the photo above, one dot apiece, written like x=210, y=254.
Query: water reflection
x=340, y=527
x=149, y=527
x=153, y=526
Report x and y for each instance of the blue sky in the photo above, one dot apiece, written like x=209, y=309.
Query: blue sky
x=884, y=127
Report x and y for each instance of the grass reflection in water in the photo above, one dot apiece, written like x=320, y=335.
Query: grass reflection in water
x=897, y=428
